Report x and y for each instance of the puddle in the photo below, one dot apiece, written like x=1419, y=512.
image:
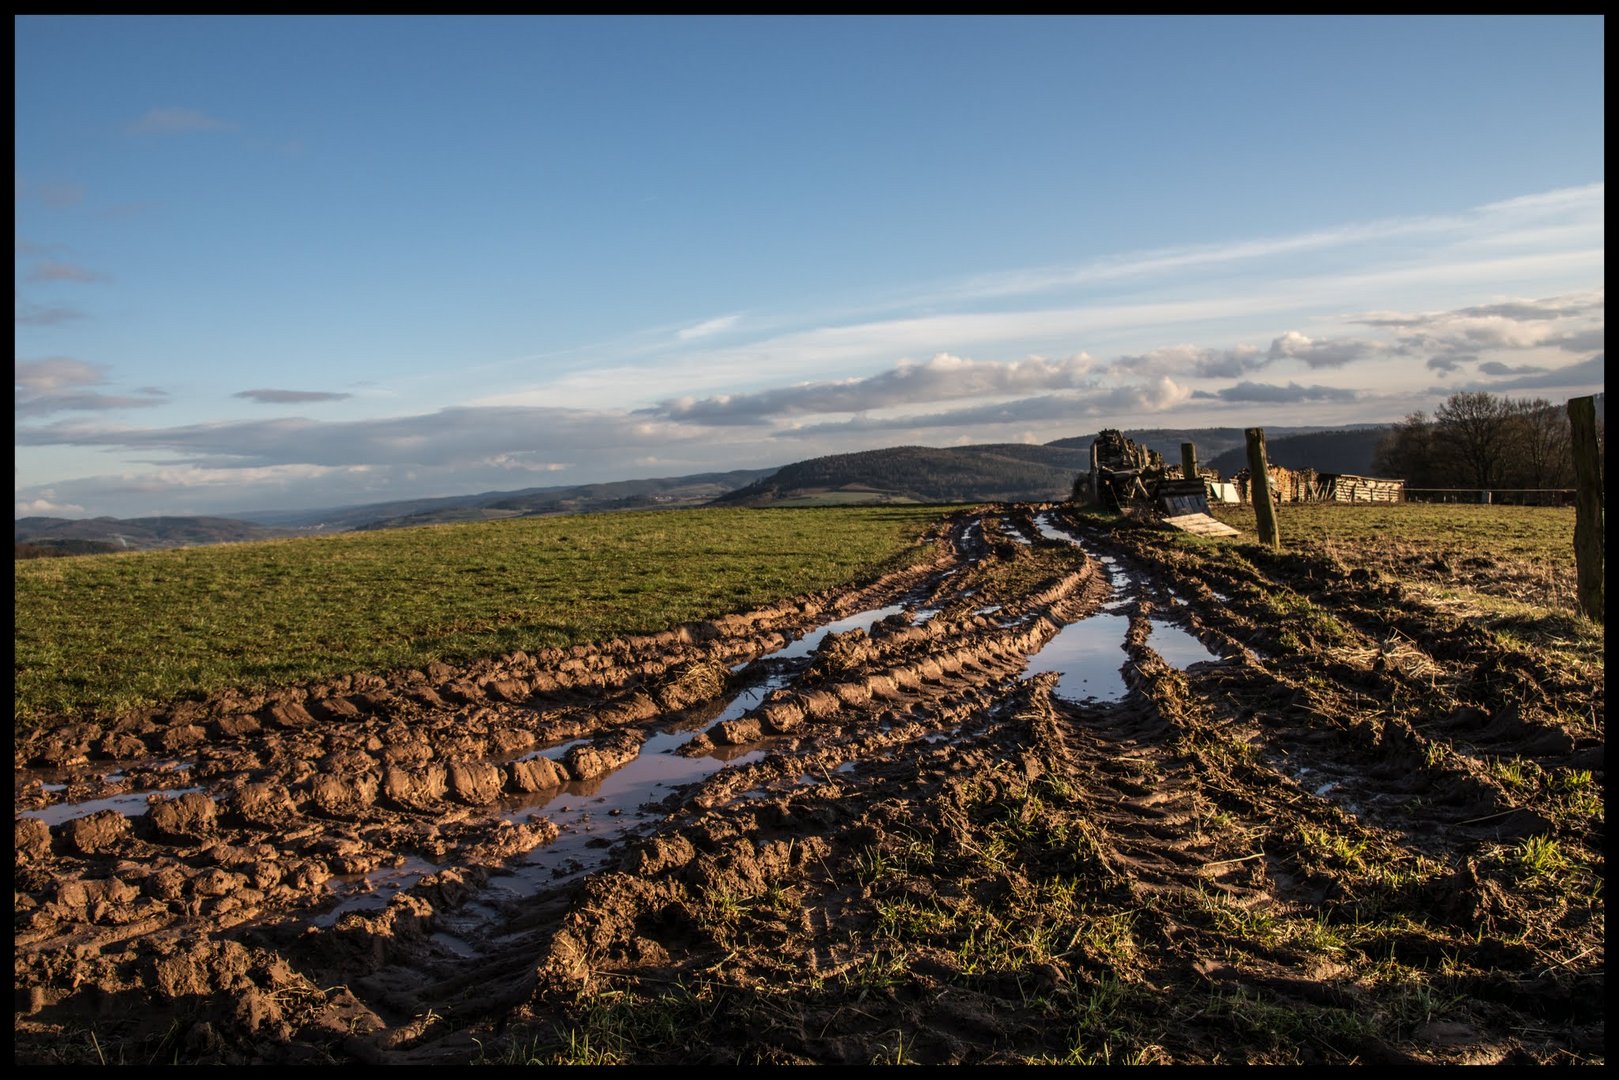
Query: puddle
x=556, y=752
x=592, y=815
x=749, y=697
x=808, y=643
x=1178, y=648
x=372, y=891
x=131, y=804
x=1089, y=654
x=1010, y=528
x=1052, y=532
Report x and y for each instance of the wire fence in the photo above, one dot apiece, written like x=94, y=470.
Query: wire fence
x=1493, y=496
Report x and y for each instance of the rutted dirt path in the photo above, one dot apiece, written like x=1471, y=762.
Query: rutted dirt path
x=1325, y=824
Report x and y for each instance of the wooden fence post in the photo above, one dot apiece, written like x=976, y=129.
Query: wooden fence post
x=1189, y=460
x=1582, y=419
x=1095, y=483
x=1259, y=490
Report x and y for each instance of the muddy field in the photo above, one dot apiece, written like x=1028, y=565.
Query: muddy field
x=1068, y=791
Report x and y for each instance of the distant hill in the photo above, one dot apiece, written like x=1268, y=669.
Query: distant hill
x=666, y=492
x=992, y=472
x=93, y=535
x=1334, y=451
x=37, y=537
x=625, y=494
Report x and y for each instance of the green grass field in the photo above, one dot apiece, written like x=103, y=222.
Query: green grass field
x=98, y=635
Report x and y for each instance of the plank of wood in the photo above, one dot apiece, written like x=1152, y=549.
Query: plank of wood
x=1200, y=525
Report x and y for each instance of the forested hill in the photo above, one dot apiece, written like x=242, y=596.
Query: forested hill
x=993, y=472
x=1350, y=451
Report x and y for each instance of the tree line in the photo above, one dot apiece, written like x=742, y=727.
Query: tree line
x=1479, y=440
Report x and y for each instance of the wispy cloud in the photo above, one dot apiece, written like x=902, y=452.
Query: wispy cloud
x=1572, y=323
x=1197, y=295
x=457, y=436
x=1495, y=367
x=59, y=384
x=60, y=196
x=1587, y=376
x=1193, y=361
x=289, y=397
x=943, y=378
x=1268, y=393
x=175, y=120
x=1503, y=222
x=52, y=270
x=709, y=328
x=1154, y=395
x=56, y=372
x=32, y=314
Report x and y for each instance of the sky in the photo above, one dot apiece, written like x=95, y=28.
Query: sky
x=271, y=263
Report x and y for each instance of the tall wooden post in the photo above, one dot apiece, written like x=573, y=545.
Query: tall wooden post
x=1189, y=460
x=1582, y=420
x=1096, y=477
x=1259, y=488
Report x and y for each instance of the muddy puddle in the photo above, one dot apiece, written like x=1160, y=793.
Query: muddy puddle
x=807, y=644
x=129, y=804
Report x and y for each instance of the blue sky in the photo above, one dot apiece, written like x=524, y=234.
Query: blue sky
x=267, y=262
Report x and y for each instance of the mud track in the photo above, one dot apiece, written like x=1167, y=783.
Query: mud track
x=1344, y=828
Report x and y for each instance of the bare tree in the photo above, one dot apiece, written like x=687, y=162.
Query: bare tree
x=1481, y=441
x=1408, y=452
x=1541, y=453
x=1474, y=438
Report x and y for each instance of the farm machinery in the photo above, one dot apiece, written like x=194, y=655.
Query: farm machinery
x=1125, y=475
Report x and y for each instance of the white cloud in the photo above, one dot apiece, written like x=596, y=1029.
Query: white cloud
x=1317, y=354
x=45, y=505
x=1572, y=323
x=59, y=384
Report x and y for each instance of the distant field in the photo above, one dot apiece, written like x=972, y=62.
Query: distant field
x=1515, y=561
x=105, y=633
